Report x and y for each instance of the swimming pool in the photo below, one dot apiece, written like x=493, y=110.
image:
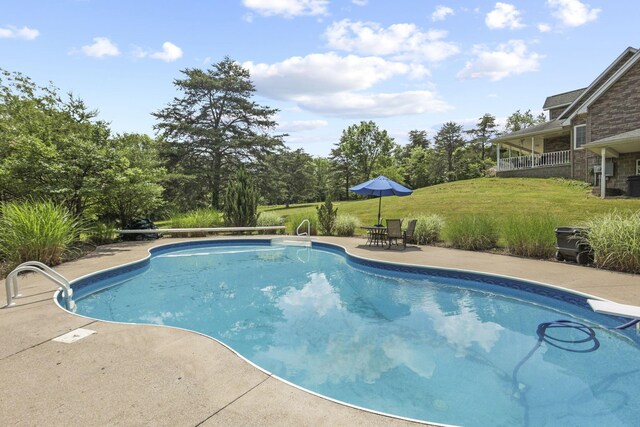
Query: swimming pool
x=423, y=343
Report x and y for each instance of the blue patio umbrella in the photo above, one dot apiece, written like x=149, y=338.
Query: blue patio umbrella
x=379, y=187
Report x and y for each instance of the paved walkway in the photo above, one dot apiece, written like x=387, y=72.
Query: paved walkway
x=147, y=375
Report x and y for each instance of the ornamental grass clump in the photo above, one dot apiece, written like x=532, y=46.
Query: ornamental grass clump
x=270, y=219
x=198, y=218
x=101, y=233
x=346, y=225
x=472, y=233
x=530, y=236
x=615, y=241
x=36, y=231
x=428, y=229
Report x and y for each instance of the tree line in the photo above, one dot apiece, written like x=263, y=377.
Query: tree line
x=53, y=147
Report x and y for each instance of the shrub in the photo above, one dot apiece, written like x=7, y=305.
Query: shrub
x=326, y=217
x=241, y=201
x=615, y=241
x=36, y=231
x=346, y=225
x=530, y=236
x=474, y=233
x=268, y=219
x=100, y=233
x=199, y=218
x=428, y=229
x=293, y=221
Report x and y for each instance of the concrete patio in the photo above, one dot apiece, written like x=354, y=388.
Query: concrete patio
x=148, y=375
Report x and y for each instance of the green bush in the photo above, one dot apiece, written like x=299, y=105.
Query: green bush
x=269, y=219
x=428, y=229
x=346, y=225
x=100, y=233
x=473, y=233
x=530, y=236
x=615, y=241
x=293, y=221
x=36, y=231
x=241, y=201
x=326, y=217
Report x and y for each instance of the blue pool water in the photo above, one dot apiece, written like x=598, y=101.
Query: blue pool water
x=427, y=344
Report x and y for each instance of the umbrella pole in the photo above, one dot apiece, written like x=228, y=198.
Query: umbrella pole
x=379, y=204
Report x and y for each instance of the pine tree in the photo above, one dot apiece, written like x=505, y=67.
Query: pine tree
x=241, y=201
x=327, y=217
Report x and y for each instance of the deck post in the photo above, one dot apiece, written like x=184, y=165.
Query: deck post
x=532, y=153
x=603, y=178
x=498, y=159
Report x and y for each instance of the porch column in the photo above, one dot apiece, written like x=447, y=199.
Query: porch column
x=532, y=153
x=498, y=163
x=603, y=178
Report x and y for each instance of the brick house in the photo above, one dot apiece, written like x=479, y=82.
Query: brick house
x=589, y=131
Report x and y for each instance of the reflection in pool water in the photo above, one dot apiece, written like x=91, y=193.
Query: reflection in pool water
x=434, y=348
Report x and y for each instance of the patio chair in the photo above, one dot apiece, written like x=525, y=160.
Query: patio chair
x=394, y=231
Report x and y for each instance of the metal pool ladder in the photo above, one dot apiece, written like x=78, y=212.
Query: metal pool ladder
x=13, y=290
x=304, y=233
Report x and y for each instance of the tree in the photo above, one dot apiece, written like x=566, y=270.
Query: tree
x=326, y=217
x=447, y=142
x=485, y=129
x=214, y=126
x=241, y=201
x=50, y=147
x=132, y=188
x=362, y=149
x=518, y=121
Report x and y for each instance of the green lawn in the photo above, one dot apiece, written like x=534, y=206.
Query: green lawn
x=569, y=201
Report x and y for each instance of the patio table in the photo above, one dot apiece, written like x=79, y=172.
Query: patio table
x=376, y=235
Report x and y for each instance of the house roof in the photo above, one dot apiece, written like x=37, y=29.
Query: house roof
x=620, y=63
x=562, y=99
x=546, y=127
x=626, y=142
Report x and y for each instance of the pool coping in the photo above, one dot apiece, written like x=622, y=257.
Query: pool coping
x=353, y=247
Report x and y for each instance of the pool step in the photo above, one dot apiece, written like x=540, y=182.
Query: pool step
x=291, y=241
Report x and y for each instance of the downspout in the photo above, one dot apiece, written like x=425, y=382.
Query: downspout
x=603, y=178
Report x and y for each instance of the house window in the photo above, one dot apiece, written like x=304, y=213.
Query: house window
x=579, y=136
x=638, y=167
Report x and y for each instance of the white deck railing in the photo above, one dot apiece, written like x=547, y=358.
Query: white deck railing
x=554, y=158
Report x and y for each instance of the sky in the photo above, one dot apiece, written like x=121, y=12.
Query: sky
x=325, y=64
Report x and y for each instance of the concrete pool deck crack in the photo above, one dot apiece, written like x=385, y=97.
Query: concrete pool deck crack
x=42, y=342
x=233, y=401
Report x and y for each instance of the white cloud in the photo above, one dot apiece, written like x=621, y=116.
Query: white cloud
x=504, y=15
x=170, y=52
x=347, y=104
x=324, y=73
x=25, y=33
x=573, y=13
x=508, y=59
x=101, y=47
x=287, y=8
x=544, y=28
x=403, y=41
x=302, y=125
x=360, y=2
x=441, y=13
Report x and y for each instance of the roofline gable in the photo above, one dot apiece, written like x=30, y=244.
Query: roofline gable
x=605, y=86
x=597, y=79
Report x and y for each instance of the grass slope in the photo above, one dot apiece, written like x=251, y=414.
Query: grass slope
x=569, y=201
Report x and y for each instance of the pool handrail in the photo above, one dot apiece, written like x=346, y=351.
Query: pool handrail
x=13, y=290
